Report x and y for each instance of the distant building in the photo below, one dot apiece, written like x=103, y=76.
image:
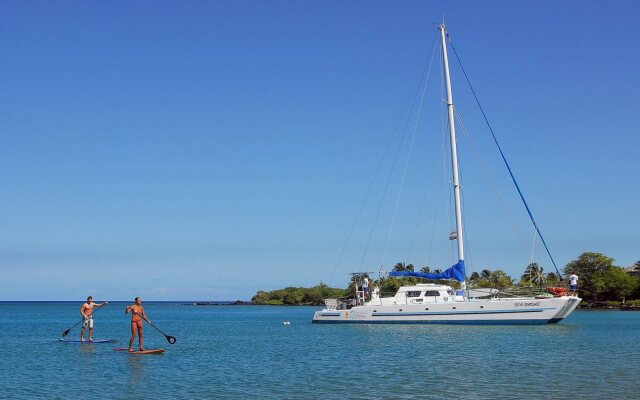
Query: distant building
x=633, y=270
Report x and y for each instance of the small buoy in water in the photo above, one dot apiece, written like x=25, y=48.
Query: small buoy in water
x=286, y=323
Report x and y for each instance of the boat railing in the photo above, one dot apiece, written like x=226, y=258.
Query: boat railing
x=521, y=291
x=340, y=304
x=331, y=304
x=532, y=291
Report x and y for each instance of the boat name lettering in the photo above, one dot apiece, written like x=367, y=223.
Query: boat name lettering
x=527, y=304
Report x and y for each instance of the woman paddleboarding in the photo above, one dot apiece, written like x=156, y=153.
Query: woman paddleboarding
x=137, y=314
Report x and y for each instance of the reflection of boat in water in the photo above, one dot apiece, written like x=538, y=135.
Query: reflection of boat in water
x=440, y=303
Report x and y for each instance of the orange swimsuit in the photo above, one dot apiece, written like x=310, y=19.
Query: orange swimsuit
x=136, y=313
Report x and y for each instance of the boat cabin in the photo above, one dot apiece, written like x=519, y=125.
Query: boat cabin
x=416, y=294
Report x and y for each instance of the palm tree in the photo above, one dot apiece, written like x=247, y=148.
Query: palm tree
x=403, y=267
x=485, y=274
x=534, y=274
x=400, y=267
x=474, y=278
x=425, y=269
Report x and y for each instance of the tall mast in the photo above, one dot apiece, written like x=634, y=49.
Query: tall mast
x=454, y=148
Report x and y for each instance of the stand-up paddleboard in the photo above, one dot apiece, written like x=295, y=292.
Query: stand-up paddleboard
x=152, y=351
x=87, y=341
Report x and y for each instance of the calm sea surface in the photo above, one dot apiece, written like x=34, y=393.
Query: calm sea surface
x=231, y=352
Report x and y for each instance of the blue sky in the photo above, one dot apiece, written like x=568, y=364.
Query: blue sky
x=210, y=149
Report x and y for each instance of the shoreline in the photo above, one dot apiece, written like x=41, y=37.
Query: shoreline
x=213, y=303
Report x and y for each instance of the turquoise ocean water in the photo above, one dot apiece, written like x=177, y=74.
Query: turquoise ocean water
x=229, y=352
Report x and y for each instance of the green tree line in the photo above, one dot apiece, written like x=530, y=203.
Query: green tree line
x=299, y=295
x=599, y=281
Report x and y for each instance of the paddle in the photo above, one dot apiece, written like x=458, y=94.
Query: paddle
x=65, y=333
x=170, y=339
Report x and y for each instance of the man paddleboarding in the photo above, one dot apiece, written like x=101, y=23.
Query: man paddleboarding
x=137, y=314
x=87, y=315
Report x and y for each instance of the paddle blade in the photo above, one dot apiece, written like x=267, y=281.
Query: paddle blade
x=171, y=339
x=65, y=333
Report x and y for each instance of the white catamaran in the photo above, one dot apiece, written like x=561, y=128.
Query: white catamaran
x=440, y=303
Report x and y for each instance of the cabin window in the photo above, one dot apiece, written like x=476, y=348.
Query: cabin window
x=451, y=292
x=413, y=293
x=431, y=293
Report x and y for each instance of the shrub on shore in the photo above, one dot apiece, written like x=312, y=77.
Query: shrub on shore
x=313, y=296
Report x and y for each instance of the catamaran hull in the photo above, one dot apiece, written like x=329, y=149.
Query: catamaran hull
x=486, y=312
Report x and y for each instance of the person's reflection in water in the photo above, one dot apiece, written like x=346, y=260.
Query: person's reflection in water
x=87, y=349
x=137, y=370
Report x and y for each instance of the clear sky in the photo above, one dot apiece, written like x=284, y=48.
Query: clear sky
x=205, y=150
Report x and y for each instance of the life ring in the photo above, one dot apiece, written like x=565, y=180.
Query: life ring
x=557, y=291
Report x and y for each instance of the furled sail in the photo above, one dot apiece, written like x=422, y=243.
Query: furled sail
x=455, y=272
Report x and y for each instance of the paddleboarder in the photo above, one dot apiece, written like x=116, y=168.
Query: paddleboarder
x=137, y=314
x=87, y=315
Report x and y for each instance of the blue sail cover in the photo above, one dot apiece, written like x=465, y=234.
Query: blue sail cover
x=455, y=272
